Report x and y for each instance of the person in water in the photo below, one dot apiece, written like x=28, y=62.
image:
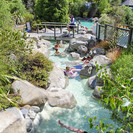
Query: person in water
x=57, y=52
x=72, y=72
x=72, y=128
x=57, y=45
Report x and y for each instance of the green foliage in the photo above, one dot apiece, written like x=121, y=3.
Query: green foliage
x=5, y=19
x=118, y=89
x=52, y=10
x=103, y=4
x=11, y=43
x=28, y=16
x=36, y=69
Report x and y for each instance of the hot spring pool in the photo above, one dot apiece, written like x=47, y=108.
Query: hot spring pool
x=47, y=120
x=86, y=24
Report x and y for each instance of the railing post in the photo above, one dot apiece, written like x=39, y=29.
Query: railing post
x=45, y=27
x=61, y=29
x=130, y=36
x=105, y=32
x=77, y=28
x=73, y=31
x=55, y=32
x=99, y=32
x=37, y=29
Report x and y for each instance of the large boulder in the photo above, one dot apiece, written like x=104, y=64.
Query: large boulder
x=82, y=49
x=97, y=51
x=84, y=37
x=86, y=72
x=74, y=55
x=92, y=82
x=75, y=43
x=61, y=98
x=57, y=78
x=91, y=43
x=30, y=94
x=104, y=71
x=100, y=60
x=97, y=92
x=12, y=121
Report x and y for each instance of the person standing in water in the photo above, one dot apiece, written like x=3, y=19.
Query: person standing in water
x=72, y=128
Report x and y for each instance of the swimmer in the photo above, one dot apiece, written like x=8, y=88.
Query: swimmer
x=72, y=128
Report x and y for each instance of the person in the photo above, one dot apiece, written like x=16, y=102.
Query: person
x=79, y=22
x=86, y=59
x=71, y=23
x=71, y=72
x=72, y=128
x=57, y=45
x=57, y=52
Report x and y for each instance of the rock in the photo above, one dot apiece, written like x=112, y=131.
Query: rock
x=73, y=45
x=91, y=43
x=103, y=71
x=36, y=109
x=97, y=51
x=32, y=115
x=44, y=42
x=29, y=93
x=92, y=82
x=84, y=37
x=82, y=49
x=82, y=32
x=97, y=92
x=62, y=98
x=86, y=72
x=57, y=78
x=101, y=60
x=74, y=55
x=12, y=121
x=28, y=124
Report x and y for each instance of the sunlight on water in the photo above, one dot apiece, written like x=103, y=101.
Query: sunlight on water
x=47, y=121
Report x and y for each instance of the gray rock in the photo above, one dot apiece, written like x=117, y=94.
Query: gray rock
x=100, y=73
x=32, y=115
x=36, y=109
x=86, y=72
x=75, y=55
x=62, y=98
x=29, y=93
x=97, y=92
x=97, y=51
x=82, y=49
x=82, y=32
x=92, y=82
x=101, y=60
x=12, y=121
x=57, y=78
x=91, y=43
x=28, y=124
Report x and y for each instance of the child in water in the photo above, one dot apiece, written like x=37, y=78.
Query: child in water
x=72, y=72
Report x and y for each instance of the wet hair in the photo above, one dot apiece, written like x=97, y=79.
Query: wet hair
x=85, y=132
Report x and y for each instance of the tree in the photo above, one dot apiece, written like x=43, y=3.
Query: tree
x=52, y=10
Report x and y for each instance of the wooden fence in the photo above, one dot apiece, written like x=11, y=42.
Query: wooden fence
x=106, y=32
x=55, y=25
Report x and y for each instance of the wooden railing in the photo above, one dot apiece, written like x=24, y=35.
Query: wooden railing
x=106, y=32
x=56, y=25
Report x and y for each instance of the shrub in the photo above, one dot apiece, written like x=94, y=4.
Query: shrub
x=36, y=69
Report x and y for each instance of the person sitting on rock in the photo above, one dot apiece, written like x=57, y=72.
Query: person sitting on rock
x=72, y=128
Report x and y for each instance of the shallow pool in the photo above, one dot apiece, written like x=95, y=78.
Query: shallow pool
x=86, y=24
x=77, y=117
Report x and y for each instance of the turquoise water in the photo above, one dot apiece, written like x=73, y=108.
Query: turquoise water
x=87, y=24
x=47, y=121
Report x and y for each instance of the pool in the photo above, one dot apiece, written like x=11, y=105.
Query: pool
x=47, y=120
x=86, y=24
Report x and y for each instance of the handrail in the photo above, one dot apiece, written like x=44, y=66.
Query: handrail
x=53, y=23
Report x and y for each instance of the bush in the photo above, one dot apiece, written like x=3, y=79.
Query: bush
x=36, y=69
